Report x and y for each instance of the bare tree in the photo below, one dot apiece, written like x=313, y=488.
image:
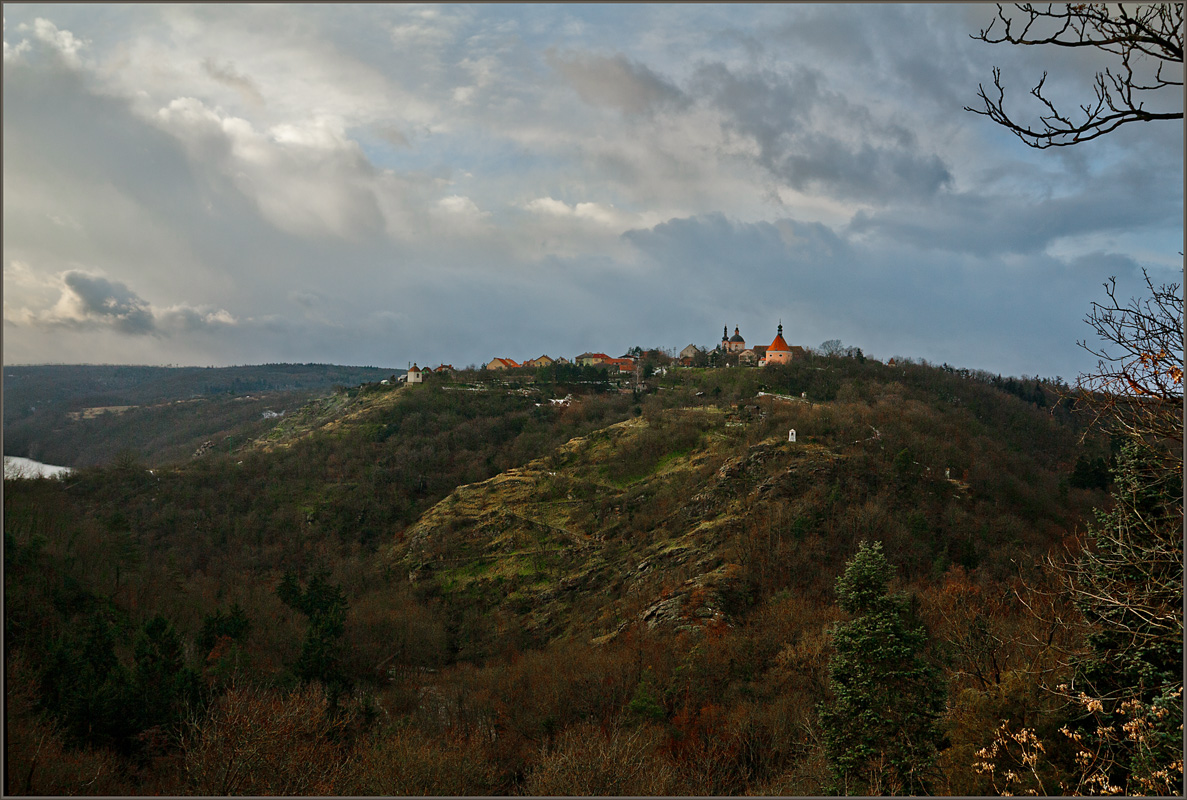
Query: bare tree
x=1138, y=383
x=1137, y=34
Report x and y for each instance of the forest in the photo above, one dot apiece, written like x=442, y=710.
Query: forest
x=461, y=587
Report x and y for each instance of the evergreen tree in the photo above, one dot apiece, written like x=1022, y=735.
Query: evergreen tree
x=217, y=625
x=162, y=685
x=880, y=729
x=325, y=605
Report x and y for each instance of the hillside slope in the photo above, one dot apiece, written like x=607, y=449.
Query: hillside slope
x=86, y=415
x=513, y=574
x=687, y=517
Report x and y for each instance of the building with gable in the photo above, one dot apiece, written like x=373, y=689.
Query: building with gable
x=779, y=352
x=501, y=363
x=589, y=359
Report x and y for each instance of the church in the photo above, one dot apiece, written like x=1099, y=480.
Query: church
x=732, y=344
x=777, y=352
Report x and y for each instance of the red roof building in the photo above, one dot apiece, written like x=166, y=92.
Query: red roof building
x=501, y=363
x=778, y=352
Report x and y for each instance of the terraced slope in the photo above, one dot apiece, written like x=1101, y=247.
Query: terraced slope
x=569, y=547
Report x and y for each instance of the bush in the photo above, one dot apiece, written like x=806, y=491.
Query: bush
x=593, y=761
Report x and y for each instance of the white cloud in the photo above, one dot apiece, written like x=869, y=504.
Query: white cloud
x=67, y=45
x=306, y=179
x=598, y=213
x=464, y=206
x=14, y=53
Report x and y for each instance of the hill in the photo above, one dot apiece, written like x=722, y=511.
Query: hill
x=86, y=415
x=494, y=588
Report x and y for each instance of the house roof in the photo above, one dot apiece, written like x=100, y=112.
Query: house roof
x=779, y=343
x=414, y=368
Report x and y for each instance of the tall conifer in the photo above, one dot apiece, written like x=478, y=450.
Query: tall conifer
x=880, y=728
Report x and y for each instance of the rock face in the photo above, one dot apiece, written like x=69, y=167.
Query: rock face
x=713, y=597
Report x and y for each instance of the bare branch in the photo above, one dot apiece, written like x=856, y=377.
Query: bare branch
x=1153, y=31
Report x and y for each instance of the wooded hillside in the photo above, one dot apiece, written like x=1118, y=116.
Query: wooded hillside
x=462, y=588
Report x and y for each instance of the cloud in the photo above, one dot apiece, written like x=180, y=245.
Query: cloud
x=816, y=140
x=462, y=206
x=63, y=42
x=617, y=82
x=425, y=182
x=91, y=301
x=229, y=76
x=64, y=45
x=13, y=53
x=599, y=213
x=306, y=178
x=1128, y=196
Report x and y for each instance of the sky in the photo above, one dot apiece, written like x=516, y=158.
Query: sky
x=377, y=185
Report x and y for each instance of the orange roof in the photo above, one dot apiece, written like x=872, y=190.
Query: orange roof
x=779, y=344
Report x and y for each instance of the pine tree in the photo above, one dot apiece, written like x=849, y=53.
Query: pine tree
x=880, y=728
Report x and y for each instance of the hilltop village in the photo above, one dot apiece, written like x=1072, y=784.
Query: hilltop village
x=731, y=351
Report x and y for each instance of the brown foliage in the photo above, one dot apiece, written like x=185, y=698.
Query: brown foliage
x=408, y=761
x=595, y=760
x=263, y=742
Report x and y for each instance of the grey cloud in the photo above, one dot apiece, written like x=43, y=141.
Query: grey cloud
x=1130, y=196
x=711, y=245
x=94, y=302
x=837, y=32
x=393, y=135
x=306, y=299
x=815, y=139
x=228, y=76
x=618, y=82
x=91, y=299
